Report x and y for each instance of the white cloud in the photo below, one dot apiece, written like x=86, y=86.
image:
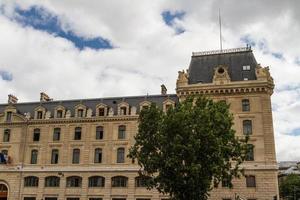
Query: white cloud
x=148, y=53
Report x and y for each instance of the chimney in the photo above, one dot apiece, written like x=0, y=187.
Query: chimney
x=12, y=99
x=44, y=97
x=163, y=89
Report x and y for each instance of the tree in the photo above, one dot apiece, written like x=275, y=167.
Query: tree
x=290, y=187
x=188, y=150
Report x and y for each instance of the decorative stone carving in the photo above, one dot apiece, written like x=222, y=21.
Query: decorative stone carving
x=48, y=115
x=133, y=110
x=27, y=115
x=182, y=79
x=263, y=73
x=68, y=114
x=111, y=112
x=221, y=75
x=89, y=113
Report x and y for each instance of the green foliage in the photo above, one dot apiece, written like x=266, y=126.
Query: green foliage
x=290, y=187
x=188, y=150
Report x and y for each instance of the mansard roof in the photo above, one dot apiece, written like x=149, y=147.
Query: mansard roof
x=201, y=69
x=111, y=102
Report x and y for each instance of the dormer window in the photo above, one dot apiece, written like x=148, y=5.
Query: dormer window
x=168, y=104
x=101, y=112
x=39, y=115
x=246, y=68
x=59, y=114
x=123, y=110
x=80, y=113
x=8, y=116
x=168, y=107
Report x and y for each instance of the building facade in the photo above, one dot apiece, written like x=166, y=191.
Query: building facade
x=76, y=149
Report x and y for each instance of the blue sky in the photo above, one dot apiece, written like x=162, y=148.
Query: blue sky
x=75, y=49
x=41, y=19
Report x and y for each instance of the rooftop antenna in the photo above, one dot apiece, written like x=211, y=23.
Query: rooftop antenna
x=220, y=24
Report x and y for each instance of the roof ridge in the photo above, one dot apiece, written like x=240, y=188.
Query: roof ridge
x=222, y=51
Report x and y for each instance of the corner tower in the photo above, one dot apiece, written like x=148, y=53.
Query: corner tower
x=233, y=75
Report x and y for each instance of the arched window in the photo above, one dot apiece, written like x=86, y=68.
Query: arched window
x=52, y=181
x=6, y=135
x=31, y=181
x=247, y=127
x=96, y=181
x=122, y=132
x=99, y=132
x=77, y=134
x=250, y=152
x=34, y=156
x=59, y=114
x=141, y=181
x=76, y=156
x=119, y=181
x=98, y=155
x=56, y=134
x=120, y=155
x=74, y=181
x=245, y=105
x=36, y=134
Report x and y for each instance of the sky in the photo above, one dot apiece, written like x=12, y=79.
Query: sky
x=75, y=49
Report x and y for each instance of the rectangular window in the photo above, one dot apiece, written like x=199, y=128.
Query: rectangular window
x=250, y=181
x=8, y=116
x=250, y=152
x=6, y=135
x=56, y=134
x=39, y=115
x=120, y=155
x=245, y=105
x=99, y=133
x=95, y=198
x=101, y=111
x=246, y=67
x=50, y=198
x=80, y=113
x=76, y=156
x=59, y=114
x=34, y=156
x=54, y=156
x=36, y=135
x=123, y=110
x=77, y=134
x=29, y=198
x=73, y=198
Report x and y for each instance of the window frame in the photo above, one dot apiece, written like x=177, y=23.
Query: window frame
x=52, y=181
x=31, y=181
x=56, y=134
x=54, y=156
x=34, y=156
x=98, y=155
x=250, y=181
x=76, y=156
x=119, y=181
x=121, y=155
x=77, y=133
x=36, y=135
x=96, y=181
x=73, y=181
x=245, y=105
x=121, y=132
x=247, y=127
x=6, y=135
x=99, y=132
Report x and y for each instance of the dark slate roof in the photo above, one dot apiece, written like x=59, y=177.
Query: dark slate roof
x=203, y=63
x=92, y=103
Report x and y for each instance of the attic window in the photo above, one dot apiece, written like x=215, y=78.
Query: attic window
x=246, y=68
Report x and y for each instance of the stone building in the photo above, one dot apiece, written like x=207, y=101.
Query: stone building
x=76, y=149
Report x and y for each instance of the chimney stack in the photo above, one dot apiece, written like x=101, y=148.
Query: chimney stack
x=44, y=97
x=12, y=99
x=163, y=89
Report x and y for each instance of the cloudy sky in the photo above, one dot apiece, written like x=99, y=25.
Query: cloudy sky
x=87, y=49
